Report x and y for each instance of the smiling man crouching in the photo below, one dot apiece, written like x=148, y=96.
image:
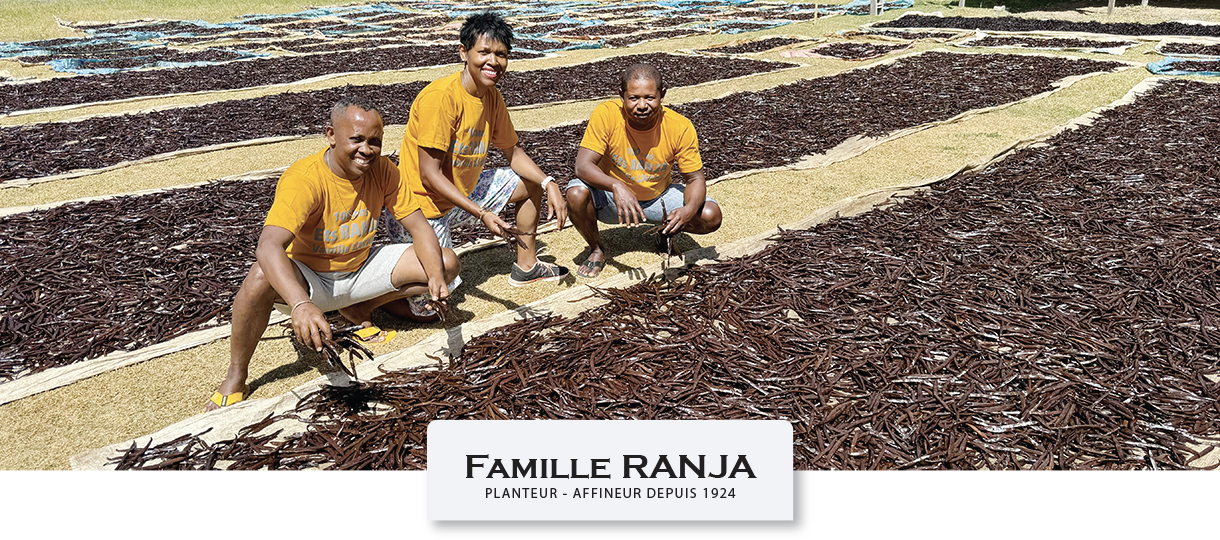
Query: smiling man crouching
x=315, y=252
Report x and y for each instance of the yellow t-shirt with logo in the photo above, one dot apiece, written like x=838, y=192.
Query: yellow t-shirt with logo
x=333, y=220
x=642, y=159
x=446, y=117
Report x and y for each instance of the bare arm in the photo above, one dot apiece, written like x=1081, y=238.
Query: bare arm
x=308, y=322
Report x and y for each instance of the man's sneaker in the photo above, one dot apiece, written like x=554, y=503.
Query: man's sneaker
x=540, y=272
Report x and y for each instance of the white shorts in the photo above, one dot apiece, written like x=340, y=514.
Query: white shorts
x=335, y=290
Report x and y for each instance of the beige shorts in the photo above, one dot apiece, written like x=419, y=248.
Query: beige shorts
x=335, y=290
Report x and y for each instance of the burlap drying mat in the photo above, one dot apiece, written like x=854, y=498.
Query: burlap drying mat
x=27, y=182
x=845, y=150
x=812, y=52
x=226, y=422
x=64, y=375
x=866, y=34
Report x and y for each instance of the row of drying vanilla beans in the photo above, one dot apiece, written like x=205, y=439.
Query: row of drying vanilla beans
x=1046, y=43
x=103, y=141
x=231, y=75
x=1023, y=24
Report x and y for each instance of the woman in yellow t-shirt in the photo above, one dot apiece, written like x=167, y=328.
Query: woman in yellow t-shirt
x=625, y=164
x=452, y=124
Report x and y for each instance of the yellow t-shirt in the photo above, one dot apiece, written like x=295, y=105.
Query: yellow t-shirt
x=642, y=159
x=446, y=117
x=334, y=219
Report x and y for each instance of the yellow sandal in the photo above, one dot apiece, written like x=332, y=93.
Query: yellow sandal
x=370, y=334
x=222, y=400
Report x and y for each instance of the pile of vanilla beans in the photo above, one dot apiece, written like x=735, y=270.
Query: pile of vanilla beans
x=1197, y=65
x=1022, y=24
x=1046, y=43
x=85, y=279
x=140, y=57
x=759, y=132
x=102, y=141
x=240, y=74
x=857, y=51
x=913, y=35
x=190, y=248
x=1178, y=47
x=1058, y=310
x=632, y=39
x=754, y=46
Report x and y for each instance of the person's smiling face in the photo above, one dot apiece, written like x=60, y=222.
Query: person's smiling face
x=486, y=62
x=642, y=103
x=355, y=142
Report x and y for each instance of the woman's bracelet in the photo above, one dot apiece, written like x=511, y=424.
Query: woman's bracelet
x=546, y=181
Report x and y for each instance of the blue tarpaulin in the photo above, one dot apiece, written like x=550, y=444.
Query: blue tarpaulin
x=1172, y=66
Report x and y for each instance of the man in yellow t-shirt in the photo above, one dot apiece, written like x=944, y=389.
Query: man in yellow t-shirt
x=624, y=165
x=452, y=123
x=315, y=252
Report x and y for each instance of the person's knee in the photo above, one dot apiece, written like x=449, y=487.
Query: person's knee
x=580, y=200
x=256, y=284
x=577, y=195
x=452, y=264
x=709, y=218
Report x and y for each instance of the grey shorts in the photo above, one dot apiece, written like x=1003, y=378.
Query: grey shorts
x=335, y=290
x=607, y=212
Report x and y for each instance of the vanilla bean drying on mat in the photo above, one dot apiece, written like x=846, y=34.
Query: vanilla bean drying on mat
x=227, y=76
x=1190, y=48
x=1058, y=310
x=857, y=51
x=103, y=141
x=139, y=57
x=913, y=35
x=760, y=45
x=1045, y=43
x=632, y=39
x=84, y=279
x=1021, y=24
